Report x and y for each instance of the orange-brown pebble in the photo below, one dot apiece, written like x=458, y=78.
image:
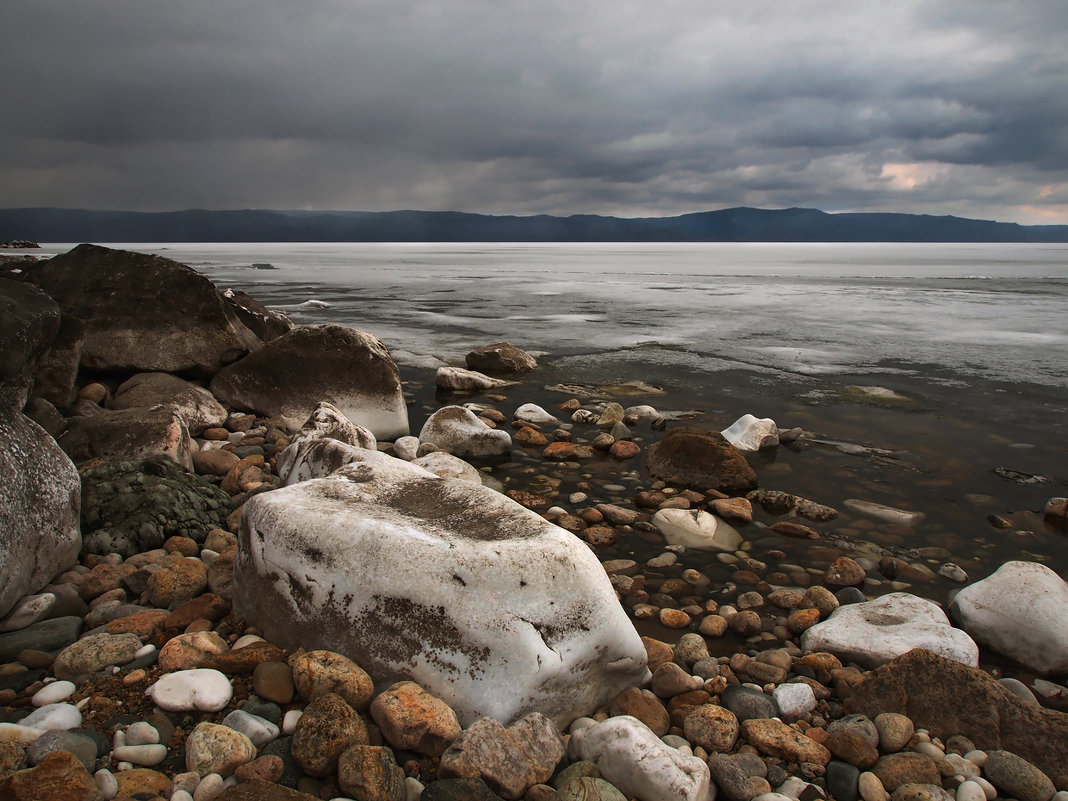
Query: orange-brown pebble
x=200, y=624
x=217, y=434
x=802, y=619
x=674, y=618
x=818, y=734
x=134, y=676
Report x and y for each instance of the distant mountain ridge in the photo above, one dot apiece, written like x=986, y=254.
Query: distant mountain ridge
x=740, y=224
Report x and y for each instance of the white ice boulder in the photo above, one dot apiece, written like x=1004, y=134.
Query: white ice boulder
x=1019, y=611
x=458, y=431
x=874, y=632
x=461, y=380
x=749, y=433
x=641, y=765
x=328, y=422
x=696, y=528
x=439, y=581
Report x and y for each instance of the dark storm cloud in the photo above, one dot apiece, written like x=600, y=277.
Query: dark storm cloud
x=507, y=106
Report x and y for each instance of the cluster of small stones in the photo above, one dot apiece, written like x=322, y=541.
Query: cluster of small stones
x=131, y=679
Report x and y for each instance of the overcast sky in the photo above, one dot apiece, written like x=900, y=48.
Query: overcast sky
x=537, y=106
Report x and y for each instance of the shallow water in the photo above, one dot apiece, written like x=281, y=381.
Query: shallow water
x=973, y=338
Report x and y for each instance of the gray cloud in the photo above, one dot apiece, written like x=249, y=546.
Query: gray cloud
x=519, y=107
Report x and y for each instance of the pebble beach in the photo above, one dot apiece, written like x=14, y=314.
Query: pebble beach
x=795, y=651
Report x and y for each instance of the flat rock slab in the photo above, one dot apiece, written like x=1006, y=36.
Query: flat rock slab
x=947, y=698
x=874, y=632
x=444, y=582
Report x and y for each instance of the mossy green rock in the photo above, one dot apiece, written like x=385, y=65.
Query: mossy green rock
x=132, y=506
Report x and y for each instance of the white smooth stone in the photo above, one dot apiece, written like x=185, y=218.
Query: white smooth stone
x=248, y=639
x=118, y=739
x=990, y=790
x=289, y=721
x=209, y=787
x=1061, y=795
x=106, y=783
x=53, y=693
x=28, y=610
x=976, y=757
x=181, y=795
x=54, y=717
x=143, y=755
x=931, y=750
x=794, y=700
x=970, y=791
x=144, y=650
x=141, y=733
x=185, y=690
x=258, y=730
x=871, y=787
x=413, y=788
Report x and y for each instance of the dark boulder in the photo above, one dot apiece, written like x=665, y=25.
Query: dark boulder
x=701, y=460
x=29, y=322
x=195, y=406
x=131, y=433
x=501, y=358
x=292, y=374
x=143, y=312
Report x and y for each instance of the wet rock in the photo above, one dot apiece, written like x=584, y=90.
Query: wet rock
x=466, y=547
x=509, y=759
x=412, y=719
x=39, y=499
x=293, y=373
x=844, y=572
x=739, y=510
x=1056, y=513
x=328, y=727
x=700, y=460
x=129, y=507
x=895, y=731
x=875, y=632
x=1019, y=611
x=567, y=452
x=638, y=763
x=887, y=514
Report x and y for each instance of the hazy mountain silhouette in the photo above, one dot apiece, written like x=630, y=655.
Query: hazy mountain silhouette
x=727, y=225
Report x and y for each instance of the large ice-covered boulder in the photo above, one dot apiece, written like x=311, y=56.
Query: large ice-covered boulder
x=1019, y=611
x=129, y=299
x=39, y=500
x=292, y=373
x=441, y=581
x=874, y=632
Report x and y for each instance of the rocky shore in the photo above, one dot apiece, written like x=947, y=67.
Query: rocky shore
x=231, y=572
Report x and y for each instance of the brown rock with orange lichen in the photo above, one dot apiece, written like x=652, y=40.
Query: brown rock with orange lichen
x=412, y=719
x=57, y=777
